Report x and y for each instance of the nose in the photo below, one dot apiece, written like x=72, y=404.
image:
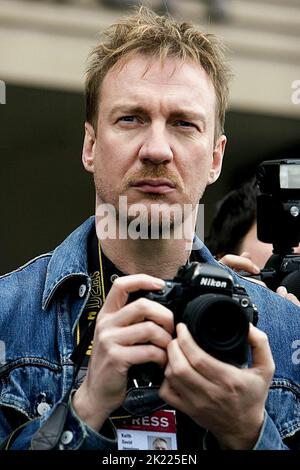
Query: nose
x=156, y=147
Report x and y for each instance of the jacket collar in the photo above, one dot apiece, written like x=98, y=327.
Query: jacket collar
x=70, y=259
x=201, y=253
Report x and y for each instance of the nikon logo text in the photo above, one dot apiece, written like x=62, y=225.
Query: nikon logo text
x=210, y=282
x=2, y=92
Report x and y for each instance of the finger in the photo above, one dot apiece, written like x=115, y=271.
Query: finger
x=122, y=286
x=141, y=354
x=281, y=290
x=170, y=396
x=208, y=366
x=245, y=254
x=139, y=311
x=140, y=333
x=293, y=299
x=180, y=372
x=261, y=353
x=240, y=263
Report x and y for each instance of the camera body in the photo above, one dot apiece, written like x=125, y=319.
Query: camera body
x=278, y=221
x=216, y=311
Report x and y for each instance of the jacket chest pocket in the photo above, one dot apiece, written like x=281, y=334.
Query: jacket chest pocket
x=30, y=386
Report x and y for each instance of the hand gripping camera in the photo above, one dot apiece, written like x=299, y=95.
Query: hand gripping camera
x=278, y=221
x=216, y=311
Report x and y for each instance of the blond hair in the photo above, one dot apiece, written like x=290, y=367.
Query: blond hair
x=157, y=36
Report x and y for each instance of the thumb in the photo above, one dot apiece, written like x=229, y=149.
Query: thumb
x=261, y=353
x=245, y=254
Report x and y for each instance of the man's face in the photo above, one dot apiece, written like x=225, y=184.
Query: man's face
x=160, y=444
x=155, y=134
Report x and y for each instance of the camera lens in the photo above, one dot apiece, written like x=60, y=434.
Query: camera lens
x=220, y=326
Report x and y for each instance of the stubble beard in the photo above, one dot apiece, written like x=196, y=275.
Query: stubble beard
x=158, y=216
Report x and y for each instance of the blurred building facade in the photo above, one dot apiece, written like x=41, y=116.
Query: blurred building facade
x=43, y=50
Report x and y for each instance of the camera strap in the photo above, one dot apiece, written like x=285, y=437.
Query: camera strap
x=142, y=401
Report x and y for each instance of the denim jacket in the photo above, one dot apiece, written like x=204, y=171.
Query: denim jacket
x=40, y=304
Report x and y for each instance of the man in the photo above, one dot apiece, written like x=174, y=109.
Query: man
x=156, y=98
x=233, y=234
x=234, y=228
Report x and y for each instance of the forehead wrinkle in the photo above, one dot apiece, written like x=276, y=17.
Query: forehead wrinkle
x=172, y=109
x=129, y=79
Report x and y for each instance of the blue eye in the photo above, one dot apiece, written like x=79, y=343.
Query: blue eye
x=128, y=118
x=182, y=123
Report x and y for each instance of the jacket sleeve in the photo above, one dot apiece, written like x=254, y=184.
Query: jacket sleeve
x=75, y=434
x=269, y=438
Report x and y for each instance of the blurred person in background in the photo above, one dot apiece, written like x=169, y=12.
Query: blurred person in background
x=233, y=228
x=233, y=233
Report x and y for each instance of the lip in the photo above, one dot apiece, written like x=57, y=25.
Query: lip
x=154, y=186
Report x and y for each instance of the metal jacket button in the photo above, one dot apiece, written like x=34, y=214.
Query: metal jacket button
x=82, y=290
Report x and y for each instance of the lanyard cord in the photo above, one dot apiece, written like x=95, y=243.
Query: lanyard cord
x=79, y=352
x=101, y=274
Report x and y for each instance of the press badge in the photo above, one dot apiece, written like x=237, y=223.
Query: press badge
x=154, y=432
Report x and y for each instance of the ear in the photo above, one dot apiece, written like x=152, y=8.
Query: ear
x=88, y=151
x=217, y=159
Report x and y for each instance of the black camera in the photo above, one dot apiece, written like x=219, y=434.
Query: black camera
x=278, y=221
x=216, y=311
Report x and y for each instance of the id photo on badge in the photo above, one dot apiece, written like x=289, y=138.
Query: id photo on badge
x=159, y=443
